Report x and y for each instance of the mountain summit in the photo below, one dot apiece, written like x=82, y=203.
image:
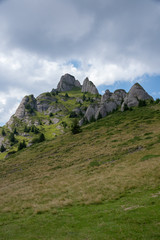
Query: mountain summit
x=67, y=83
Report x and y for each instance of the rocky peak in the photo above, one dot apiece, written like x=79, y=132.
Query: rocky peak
x=89, y=86
x=27, y=103
x=107, y=95
x=135, y=94
x=67, y=83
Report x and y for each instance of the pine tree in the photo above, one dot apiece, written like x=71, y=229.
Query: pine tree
x=2, y=149
x=75, y=128
x=41, y=137
x=3, y=132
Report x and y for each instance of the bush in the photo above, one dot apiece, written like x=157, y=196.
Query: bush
x=157, y=101
x=75, y=128
x=2, y=149
x=84, y=97
x=99, y=116
x=64, y=124
x=126, y=108
x=27, y=129
x=48, y=94
x=29, y=108
x=51, y=114
x=142, y=103
x=66, y=95
x=72, y=115
x=15, y=131
x=12, y=138
x=21, y=145
x=41, y=138
x=3, y=132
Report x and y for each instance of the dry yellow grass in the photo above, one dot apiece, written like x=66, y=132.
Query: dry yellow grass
x=101, y=163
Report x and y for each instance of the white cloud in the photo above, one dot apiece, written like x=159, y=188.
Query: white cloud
x=112, y=40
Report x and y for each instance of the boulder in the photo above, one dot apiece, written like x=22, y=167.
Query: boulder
x=67, y=83
x=135, y=94
x=88, y=86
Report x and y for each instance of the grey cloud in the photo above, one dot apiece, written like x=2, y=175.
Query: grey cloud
x=121, y=33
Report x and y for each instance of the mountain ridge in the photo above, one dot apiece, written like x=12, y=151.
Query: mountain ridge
x=51, y=113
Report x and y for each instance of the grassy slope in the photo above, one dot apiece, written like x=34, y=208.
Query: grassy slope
x=47, y=128
x=100, y=184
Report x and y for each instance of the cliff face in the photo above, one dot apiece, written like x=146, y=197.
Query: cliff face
x=88, y=86
x=67, y=83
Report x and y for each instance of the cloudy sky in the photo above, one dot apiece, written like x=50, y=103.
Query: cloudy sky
x=113, y=42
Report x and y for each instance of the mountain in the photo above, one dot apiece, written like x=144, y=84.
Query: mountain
x=102, y=183
x=52, y=113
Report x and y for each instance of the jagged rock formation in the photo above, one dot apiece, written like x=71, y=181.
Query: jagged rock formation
x=88, y=86
x=67, y=83
x=135, y=94
x=109, y=102
x=28, y=102
x=47, y=103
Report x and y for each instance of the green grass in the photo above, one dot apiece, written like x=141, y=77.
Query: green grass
x=134, y=216
x=102, y=183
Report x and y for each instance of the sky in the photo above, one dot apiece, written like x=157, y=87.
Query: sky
x=113, y=42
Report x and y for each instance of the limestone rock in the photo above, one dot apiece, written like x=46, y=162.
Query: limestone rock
x=88, y=86
x=117, y=97
x=67, y=83
x=135, y=94
x=105, y=108
x=26, y=103
x=91, y=112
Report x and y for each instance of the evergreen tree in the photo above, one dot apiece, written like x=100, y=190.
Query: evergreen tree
x=84, y=97
x=66, y=95
x=41, y=137
x=3, y=132
x=75, y=128
x=15, y=131
x=12, y=138
x=2, y=149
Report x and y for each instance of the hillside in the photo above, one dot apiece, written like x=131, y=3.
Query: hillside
x=102, y=183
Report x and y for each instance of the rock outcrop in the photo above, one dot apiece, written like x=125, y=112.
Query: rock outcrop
x=27, y=104
x=135, y=94
x=67, y=83
x=109, y=102
x=88, y=86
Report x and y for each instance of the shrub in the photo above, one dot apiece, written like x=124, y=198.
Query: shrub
x=75, y=128
x=3, y=132
x=64, y=124
x=51, y=114
x=66, y=95
x=48, y=94
x=99, y=116
x=2, y=149
x=41, y=138
x=84, y=97
x=126, y=107
x=157, y=101
x=72, y=115
x=12, y=138
x=15, y=131
x=142, y=103
x=21, y=145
